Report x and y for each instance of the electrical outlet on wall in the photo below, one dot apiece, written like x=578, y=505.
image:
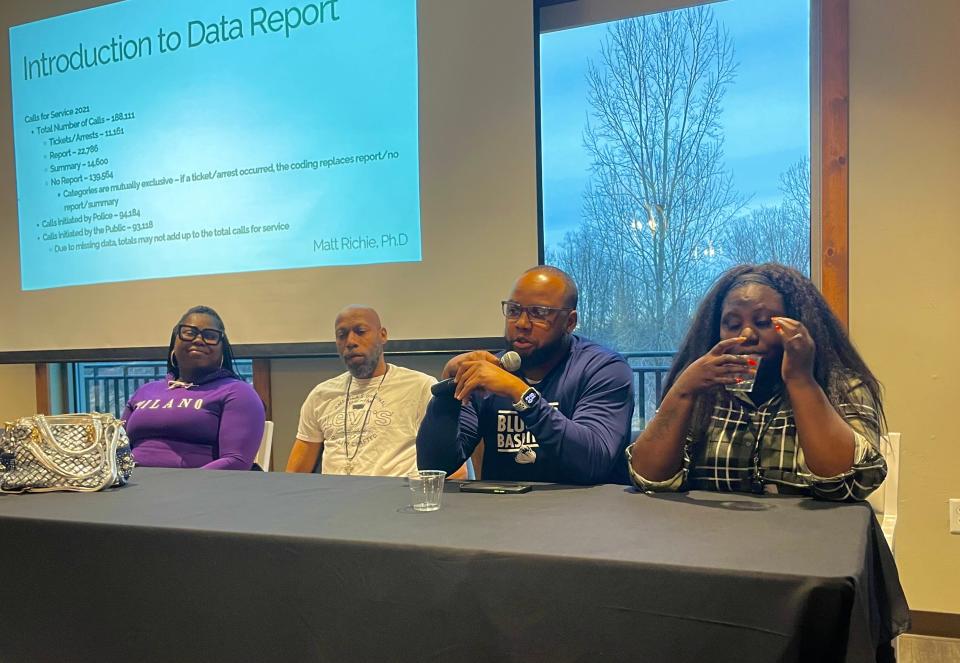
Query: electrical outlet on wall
x=955, y=516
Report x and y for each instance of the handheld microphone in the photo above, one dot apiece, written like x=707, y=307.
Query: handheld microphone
x=510, y=361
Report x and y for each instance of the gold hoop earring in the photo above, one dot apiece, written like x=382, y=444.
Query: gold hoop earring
x=173, y=359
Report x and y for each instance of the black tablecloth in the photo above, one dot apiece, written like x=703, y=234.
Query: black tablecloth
x=186, y=565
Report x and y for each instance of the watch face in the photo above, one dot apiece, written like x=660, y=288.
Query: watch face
x=530, y=397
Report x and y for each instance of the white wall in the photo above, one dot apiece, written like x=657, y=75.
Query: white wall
x=905, y=263
x=18, y=392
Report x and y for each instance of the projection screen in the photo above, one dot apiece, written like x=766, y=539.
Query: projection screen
x=276, y=160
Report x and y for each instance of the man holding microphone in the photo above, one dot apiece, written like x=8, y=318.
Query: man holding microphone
x=563, y=416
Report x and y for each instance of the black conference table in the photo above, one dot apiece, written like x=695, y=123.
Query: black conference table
x=185, y=565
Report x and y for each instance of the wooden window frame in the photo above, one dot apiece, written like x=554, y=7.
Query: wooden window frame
x=829, y=144
x=831, y=30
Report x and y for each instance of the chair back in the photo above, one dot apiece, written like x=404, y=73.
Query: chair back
x=264, y=455
x=884, y=499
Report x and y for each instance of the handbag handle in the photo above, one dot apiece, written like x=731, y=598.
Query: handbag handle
x=45, y=434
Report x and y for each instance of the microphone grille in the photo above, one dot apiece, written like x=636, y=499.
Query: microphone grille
x=510, y=361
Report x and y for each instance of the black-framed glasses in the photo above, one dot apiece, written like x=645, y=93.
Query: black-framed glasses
x=189, y=333
x=538, y=315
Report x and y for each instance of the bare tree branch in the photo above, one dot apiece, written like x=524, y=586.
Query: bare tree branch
x=661, y=215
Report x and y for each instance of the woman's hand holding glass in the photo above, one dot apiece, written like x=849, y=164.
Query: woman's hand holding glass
x=715, y=368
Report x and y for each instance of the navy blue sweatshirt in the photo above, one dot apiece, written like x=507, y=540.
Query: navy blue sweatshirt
x=577, y=431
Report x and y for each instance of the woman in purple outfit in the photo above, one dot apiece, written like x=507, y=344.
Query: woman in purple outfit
x=203, y=415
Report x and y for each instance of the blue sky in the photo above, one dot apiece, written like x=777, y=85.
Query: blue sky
x=766, y=112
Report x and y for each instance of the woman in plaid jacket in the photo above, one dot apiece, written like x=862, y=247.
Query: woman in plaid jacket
x=811, y=424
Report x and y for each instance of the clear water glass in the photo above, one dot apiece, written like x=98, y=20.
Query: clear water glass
x=426, y=489
x=748, y=377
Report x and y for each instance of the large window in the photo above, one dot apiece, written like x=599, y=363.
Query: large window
x=674, y=145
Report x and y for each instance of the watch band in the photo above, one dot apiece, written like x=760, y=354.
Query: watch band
x=528, y=399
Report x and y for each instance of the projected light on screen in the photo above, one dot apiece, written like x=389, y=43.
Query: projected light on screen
x=180, y=138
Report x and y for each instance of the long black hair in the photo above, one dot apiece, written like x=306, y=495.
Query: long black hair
x=227, y=348
x=835, y=361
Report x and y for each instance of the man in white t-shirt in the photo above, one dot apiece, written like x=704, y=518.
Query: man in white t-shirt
x=363, y=421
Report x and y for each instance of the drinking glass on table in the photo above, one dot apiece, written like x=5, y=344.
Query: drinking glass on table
x=426, y=489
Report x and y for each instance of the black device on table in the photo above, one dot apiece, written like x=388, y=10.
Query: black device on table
x=495, y=487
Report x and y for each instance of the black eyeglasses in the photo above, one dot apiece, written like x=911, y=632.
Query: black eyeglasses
x=189, y=333
x=539, y=315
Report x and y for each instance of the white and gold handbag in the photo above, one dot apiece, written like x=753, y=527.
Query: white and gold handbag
x=77, y=452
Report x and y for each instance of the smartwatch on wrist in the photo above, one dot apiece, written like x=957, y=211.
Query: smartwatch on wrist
x=528, y=399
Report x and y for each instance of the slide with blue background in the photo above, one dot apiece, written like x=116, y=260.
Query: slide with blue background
x=183, y=138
